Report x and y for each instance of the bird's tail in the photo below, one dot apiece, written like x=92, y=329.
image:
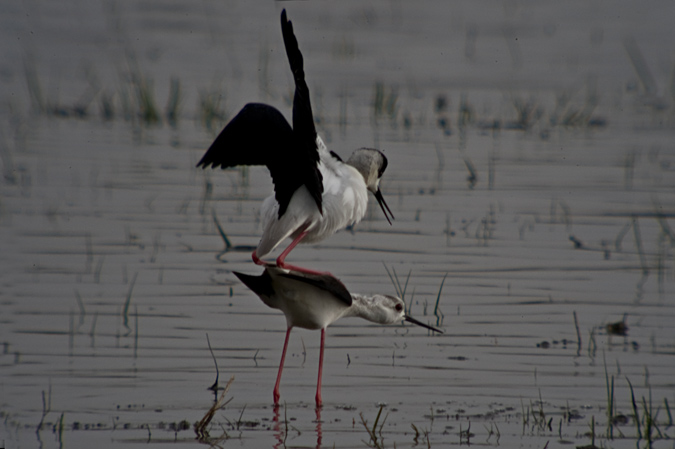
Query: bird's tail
x=260, y=285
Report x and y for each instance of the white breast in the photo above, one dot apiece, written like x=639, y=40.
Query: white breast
x=344, y=201
x=345, y=197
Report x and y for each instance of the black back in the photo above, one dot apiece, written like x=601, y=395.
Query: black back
x=263, y=285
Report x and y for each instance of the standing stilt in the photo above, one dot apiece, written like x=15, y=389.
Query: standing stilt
x=315, y=302
x=314, y=189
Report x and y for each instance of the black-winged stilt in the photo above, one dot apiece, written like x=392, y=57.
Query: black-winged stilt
x=312, y=301
x=315, y=192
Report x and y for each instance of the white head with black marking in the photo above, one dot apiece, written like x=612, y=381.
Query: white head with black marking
x=372, y=163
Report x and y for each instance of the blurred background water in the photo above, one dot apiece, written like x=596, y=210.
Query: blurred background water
x=531, y=173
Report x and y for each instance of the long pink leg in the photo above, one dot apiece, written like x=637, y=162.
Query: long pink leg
x=282, y=256
x=276, y=393
x=294, y=243
x=318, y=382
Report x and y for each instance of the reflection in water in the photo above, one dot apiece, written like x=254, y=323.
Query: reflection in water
x=280, y=434
x=318, y=427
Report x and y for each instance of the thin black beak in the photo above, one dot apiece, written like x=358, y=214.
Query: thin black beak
x=383, y=205
x=419, y=323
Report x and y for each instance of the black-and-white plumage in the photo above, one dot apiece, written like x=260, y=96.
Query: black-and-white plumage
x=313, y=301
x=315, y=192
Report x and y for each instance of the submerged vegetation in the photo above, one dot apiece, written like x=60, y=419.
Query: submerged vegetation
x=134, y=100
x=568, y=425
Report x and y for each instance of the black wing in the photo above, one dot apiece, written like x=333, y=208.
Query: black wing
x=255, y=136
x=324, y=282
x=262, y=285
x=260, y=135
x=303, y=119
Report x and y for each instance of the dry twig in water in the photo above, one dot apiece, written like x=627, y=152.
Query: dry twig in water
x=200, y=427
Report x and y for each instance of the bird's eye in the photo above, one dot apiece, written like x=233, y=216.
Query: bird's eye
x=399, y=307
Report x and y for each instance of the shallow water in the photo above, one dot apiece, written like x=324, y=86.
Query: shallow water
x=111, y=273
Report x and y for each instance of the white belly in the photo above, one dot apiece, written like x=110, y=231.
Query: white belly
x=345, y=200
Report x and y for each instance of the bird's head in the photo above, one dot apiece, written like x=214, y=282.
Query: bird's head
x=387, y=309
x=371, y=163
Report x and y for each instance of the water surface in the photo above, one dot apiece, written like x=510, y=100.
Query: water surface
x=531, y=166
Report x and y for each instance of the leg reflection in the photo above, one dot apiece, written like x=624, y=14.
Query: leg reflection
x=279, y=433
x=280, y=428
x=318, y=427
